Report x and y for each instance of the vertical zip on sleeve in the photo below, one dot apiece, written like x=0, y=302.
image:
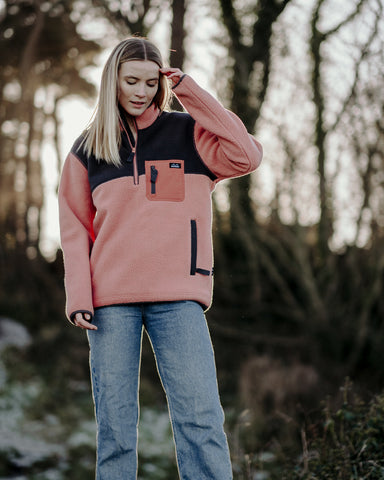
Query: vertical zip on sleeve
x=154, y=173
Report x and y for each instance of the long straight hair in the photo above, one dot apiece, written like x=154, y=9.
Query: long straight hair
x=103, y=136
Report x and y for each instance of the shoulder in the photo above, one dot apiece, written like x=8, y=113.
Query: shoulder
x=176, y=116
x=169, y=123
x=79, y=151
x=176, y=120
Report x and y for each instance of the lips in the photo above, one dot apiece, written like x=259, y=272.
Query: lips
x=138, y=104
x=134, y=107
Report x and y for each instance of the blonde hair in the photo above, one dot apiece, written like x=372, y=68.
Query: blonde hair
x=103, y=136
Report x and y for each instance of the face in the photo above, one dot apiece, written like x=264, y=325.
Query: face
x=138, y=82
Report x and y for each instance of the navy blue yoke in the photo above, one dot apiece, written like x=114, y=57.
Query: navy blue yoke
x=170, y=137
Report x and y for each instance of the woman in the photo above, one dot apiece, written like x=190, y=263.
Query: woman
x=135, y=218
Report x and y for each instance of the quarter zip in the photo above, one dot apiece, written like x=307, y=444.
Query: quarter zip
x=135, y=169
x=133, y=155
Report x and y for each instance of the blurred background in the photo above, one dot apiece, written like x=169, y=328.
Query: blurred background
x=298, y=314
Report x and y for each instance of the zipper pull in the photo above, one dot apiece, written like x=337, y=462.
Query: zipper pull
x=131, y=155
x=154, y=173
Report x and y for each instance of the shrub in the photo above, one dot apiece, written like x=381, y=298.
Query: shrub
x=348, y=445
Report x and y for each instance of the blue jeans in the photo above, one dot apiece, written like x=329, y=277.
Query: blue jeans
x=185, y=361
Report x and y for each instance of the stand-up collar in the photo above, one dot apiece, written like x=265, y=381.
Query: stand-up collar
x=148, y=117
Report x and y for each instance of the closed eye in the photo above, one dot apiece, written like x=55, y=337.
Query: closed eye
x=153, y=82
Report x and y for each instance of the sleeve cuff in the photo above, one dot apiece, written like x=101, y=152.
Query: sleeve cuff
x=83, y=312
x=180, y=80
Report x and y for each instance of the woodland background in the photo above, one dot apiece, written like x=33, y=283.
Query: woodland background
x=298, y=314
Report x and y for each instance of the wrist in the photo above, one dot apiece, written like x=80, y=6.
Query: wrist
x=179, y=81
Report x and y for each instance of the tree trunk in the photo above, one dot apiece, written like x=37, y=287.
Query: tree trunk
x=178, y=35
x=246, y=102
x=325, y=223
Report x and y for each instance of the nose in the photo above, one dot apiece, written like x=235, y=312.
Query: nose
x=140, y=91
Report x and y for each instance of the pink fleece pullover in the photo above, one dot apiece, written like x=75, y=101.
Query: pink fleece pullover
x=142, y=233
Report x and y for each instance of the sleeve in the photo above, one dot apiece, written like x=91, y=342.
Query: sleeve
x=76, y=214
x=221, y=138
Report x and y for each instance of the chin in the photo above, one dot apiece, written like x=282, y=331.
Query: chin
x=136, y=113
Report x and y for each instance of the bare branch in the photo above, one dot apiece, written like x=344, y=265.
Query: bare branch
x=134, y=23
x=267, y=12
x=348, y=19
x=231, y=22
x=363, y=54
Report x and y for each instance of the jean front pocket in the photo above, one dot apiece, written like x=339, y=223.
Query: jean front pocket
x=165, y=180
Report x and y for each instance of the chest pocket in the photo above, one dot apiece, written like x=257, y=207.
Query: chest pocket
x=165, y=180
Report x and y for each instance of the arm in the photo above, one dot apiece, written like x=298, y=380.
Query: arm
x=221, y=138
x=76, y=213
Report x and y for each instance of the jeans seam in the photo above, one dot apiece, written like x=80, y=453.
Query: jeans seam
x=170, y=409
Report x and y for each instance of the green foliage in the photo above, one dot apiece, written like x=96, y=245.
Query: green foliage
x=343, y=442
x=348, y=445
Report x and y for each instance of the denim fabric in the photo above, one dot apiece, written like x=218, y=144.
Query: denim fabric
x=185, y=361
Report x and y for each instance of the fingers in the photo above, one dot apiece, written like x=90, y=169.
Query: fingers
x=169, y=71
x=173, y=74
x=82, y=320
